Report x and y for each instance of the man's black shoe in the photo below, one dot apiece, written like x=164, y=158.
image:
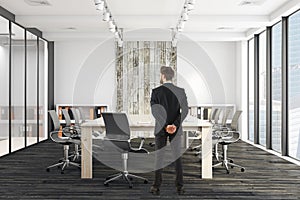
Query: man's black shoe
x=154, y=190
x=180, y=190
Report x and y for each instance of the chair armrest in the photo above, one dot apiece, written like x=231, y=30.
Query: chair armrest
x=230, y=136
x=71, y=131
x=54, y=137
x=142, y=142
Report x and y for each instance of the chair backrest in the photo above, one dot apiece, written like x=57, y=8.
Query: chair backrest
x=116, y=125
x=80, y=114
x=55, y=120
x=235, y=120
x=76, y=116
x=217, y=116
x=117, y=130
x=225, y=116
x=67, y=117
x=212, y=114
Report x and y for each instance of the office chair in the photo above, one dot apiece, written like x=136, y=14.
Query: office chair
x=219, y=127
x=235, y=120
x=64, y=140
x=77, y=116
x=227, y=137
x=210, y=117
x=74, y=131
x=215, y=121
x=118, y=133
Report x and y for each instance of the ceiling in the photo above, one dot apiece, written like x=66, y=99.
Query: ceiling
x=216, y=20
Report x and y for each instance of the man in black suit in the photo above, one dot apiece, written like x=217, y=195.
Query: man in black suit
x=169, y=107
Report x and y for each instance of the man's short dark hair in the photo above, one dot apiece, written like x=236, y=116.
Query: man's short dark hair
x=168, y=72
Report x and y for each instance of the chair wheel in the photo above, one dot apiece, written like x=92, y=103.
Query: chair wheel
x=130, y=179
x=130, y=186
x=48, y=170
x=231, y=167
x=227, y=171
x=231, y=161
x=62, y=172
x=242, y=169
x=106, y=184
x=145, y=181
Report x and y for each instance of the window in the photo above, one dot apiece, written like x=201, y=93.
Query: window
x=276, y=86
x=251, y=88
x=262, y=87
x=294, y=85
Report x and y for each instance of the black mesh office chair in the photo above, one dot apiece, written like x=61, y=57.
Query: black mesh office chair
x=118, y=133
x=64, y=140
x=74, y=130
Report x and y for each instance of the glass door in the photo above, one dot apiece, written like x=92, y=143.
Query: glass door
x=18, y=128
x=4, y=86
x=31, y=85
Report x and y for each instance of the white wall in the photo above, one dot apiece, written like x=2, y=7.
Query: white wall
x=84, y=72
x=242, y=86
x=78, y=67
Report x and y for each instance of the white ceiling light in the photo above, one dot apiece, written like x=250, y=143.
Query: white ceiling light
x=106, y=16
x=192, y=2
x=251, y=2
x=113, y=30
x=180, y=26
x=111, y=24
x=117, y=35
x=185, y=16
x=187, y=7
x=225, y=28
x=100, y=6
x=174, y=38
x=38, y=2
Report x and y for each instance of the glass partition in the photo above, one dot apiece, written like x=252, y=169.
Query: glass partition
x=276, y=86
x=294, y=85
x=31, y=85
x=251, y=88
x=23, y=87
x=262, y=87
x=43, y=62
x=17, y=87
x=4, y=86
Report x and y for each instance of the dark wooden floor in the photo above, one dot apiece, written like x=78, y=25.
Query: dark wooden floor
x=23, y=176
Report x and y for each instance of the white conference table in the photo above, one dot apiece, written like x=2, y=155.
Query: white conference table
x=146, y=123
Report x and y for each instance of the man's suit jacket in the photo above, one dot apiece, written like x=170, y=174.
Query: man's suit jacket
x=168, y=106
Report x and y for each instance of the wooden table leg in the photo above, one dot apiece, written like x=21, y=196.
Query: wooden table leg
x=86, y=153
x=206, y=153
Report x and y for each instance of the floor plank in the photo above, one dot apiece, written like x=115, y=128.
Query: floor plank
x=23, y=176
